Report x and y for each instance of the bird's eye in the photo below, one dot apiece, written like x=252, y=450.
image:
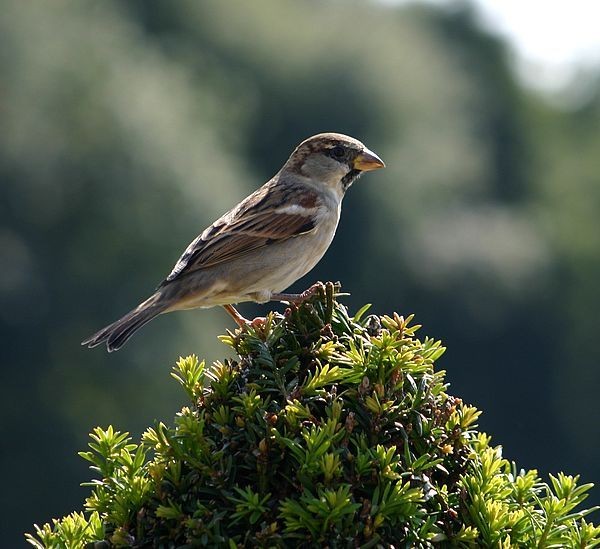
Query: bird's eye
x=338, y=152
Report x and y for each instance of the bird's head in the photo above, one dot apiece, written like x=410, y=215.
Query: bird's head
x=333, y=159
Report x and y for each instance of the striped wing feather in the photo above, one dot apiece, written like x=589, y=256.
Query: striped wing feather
x=249, y=228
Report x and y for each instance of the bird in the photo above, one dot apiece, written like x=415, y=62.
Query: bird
x=264, y=244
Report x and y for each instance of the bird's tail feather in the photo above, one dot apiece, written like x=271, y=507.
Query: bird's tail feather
x=117, y=333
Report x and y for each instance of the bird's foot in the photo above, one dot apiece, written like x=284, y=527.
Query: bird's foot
x=257, y=323
x=332, y=288
x=237, y=317
x=260, y=322
x=297, y=299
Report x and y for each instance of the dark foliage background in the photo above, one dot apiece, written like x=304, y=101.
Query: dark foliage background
x=127, y=128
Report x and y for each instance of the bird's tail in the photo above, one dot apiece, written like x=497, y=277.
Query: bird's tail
x=117, y=333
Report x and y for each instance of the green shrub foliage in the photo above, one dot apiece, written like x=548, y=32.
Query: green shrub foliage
x=327, y=430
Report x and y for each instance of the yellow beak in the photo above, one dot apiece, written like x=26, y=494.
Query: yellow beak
x=367, y=160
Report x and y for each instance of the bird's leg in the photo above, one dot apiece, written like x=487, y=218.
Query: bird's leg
x=299, y=298
x=239, y=319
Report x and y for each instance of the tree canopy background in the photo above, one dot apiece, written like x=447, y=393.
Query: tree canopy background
x=127, y=128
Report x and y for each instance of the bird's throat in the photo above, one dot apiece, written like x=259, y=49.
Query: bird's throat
x=350, y=178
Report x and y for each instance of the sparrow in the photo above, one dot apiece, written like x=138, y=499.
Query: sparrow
x=264, y=244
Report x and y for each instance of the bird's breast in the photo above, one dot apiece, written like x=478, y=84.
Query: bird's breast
x=303, y=253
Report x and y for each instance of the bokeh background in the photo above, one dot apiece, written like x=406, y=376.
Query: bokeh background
x=127, y=127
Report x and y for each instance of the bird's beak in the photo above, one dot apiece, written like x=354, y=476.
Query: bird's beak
x=367, y=160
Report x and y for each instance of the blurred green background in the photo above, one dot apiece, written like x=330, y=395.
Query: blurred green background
x=126, y=128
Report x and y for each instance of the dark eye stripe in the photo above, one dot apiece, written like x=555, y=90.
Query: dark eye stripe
x=338, y=152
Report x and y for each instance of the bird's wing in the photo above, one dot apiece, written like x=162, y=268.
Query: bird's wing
x=260, y=220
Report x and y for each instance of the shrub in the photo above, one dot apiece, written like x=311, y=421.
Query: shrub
x=328, y=430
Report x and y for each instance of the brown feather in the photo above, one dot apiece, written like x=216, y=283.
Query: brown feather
x=253, y=224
